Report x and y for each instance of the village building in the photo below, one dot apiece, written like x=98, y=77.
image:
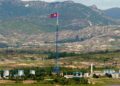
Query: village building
x=32, y=72
x=115, y=75
x=6, y=74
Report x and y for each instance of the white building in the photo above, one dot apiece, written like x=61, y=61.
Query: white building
x=109, y=71
x=6, y=74
x=87, y=75
x=74, y=75
x=115, y=75
x=21, y=73
x=32, y=72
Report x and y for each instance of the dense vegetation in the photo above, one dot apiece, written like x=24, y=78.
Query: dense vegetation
x=100, y=55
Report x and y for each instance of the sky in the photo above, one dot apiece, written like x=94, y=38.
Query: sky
x=102, y=4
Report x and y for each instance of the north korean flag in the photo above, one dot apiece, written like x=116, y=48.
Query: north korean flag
x=54, y=15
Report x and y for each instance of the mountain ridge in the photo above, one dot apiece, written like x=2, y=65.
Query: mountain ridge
x=26, y=24
x=113, y=12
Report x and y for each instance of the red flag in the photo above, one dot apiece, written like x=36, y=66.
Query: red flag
x=54, y=15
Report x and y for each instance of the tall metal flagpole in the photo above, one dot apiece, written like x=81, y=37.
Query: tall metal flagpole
x=57, y=69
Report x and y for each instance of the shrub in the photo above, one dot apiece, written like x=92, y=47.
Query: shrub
x=95, y=76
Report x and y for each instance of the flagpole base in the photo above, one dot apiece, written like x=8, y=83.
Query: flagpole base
x=56, y=70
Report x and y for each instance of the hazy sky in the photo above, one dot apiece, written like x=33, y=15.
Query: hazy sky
x=102, y=4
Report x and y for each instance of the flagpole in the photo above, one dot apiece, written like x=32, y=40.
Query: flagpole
x=57, y=35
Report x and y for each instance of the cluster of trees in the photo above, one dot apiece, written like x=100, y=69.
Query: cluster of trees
x=106, y=75
x=75, y=39
x=26, y=51
x=64, y=81
x=102, y=56
x=52, y=55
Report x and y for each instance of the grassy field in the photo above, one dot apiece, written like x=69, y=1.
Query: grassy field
x=49, y=85
x=98, y=82
x=19, y=84
x=76, y=61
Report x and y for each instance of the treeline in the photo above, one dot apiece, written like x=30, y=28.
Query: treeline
x=88, y=55
x=100, y=55
x=37, y=51
x=26, y=51
x=41, y=74
x=52, y=55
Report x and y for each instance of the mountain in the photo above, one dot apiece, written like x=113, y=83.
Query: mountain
x=113, y=13
x=27, y=24
x=28, y=15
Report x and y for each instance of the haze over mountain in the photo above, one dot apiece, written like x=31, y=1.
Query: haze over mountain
x=113, y=12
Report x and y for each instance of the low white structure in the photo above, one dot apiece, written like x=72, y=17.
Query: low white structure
x=74, y=75
x=68, y=76
x=6, y=74
x=109, y=71
x=32, y=72
x=21, y=73
x=86, y=75
x=115, y=75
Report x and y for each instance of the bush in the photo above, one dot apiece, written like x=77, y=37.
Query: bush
x=80, y=80
x=60, y=80
x=77, y=81
x=108, y=75
x=95, y=76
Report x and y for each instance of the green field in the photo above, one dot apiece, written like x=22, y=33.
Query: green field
x=97, y=82
x=47, y=85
